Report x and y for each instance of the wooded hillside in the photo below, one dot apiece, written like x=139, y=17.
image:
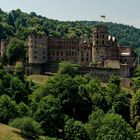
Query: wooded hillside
x=19, y=24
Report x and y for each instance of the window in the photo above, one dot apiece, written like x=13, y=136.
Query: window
x=72, y=53
x=87, y=59
x=103, y=42
x=35, y=52
x=97, y=36
x=61, y=53
x=57, y=53
x=103, y=36
x=97, y=42
x=43, y=52
x=44, y=57
x=35, y=57
x=53, y=53
x=87, y=54
x=82, y=59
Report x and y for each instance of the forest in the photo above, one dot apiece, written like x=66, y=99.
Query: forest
x=70, y=106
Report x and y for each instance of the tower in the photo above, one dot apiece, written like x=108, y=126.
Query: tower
x=38, y=52
x=100, y=38
x=38, y=49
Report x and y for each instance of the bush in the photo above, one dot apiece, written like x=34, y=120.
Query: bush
x=27, y=126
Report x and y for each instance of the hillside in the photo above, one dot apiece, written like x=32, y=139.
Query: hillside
x=19, y=24
x=9, y=133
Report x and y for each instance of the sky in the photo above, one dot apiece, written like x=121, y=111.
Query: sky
x=118, y=11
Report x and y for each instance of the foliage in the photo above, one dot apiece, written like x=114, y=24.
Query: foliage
x=49, y=114
x=94, y=123
x=74, y=130
x=108, y=126
x=8, y=109
x=23, y=109
x=19, y=71
x=134, y=108
x=114, y=127
x=15, y=50
x=27, y=125
x=67, y=68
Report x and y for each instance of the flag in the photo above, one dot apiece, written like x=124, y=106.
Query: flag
x=103, y=16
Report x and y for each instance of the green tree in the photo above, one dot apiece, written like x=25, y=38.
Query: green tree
x=67, y=68
x=19, y=71
x=114, y=127
x=135, y=108
x=75, y=130
x=15, y=50
x=121, y=103
x=23, y=109
x=8, y=109
x=49, y=114
x=94, y=123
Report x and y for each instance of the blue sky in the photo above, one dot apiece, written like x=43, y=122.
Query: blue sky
x=120, y=11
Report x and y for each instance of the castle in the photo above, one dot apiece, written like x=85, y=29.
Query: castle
x=101, y=56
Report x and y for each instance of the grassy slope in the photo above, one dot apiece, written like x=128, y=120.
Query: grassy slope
x=9, y=133
x=40, y=79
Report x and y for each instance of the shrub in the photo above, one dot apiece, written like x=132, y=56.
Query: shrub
x=27, y=126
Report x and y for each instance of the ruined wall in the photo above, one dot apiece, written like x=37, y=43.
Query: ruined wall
x=85, y=55
x=63, y=50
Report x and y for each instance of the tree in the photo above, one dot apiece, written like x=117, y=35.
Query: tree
x=138, y=130
x=114, y=127
x=74, y=130
x=94, y=123
x=8, y=109
x=15, y=50
x=121, y=103
x=23, y=109
x=135, y=108
x=19, y=71
x=67, y=68
x=98, y=95
x=49, y=114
